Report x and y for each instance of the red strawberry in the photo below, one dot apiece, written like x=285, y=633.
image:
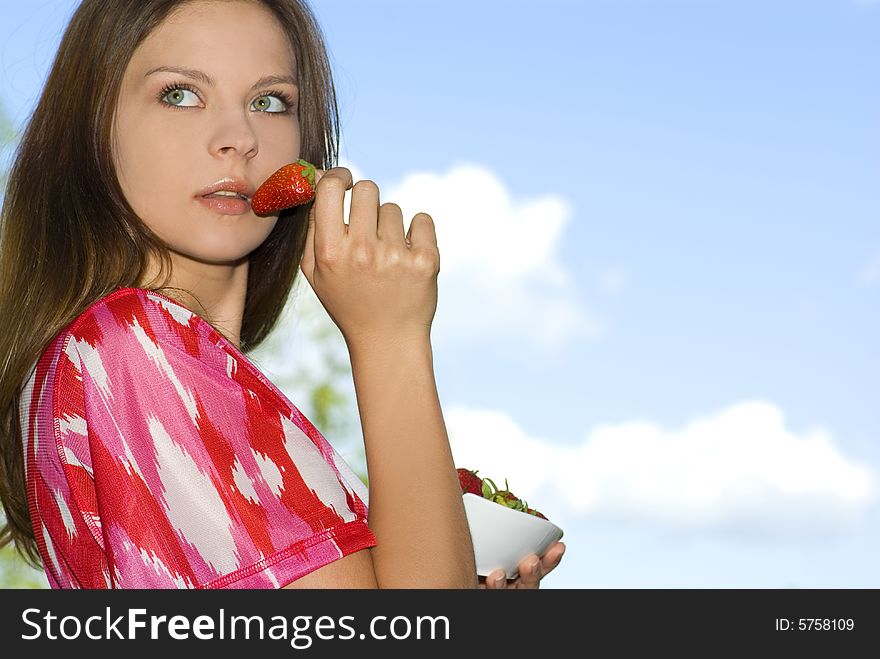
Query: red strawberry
x=291, y=185
x=470, y=482
x=532, y=511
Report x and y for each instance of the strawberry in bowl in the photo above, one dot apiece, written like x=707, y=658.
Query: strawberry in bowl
x=504, y=528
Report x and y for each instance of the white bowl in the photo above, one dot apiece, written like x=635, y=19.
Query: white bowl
x=503, y=536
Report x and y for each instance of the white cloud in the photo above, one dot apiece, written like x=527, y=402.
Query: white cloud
x=500, y=274
x=738, y=471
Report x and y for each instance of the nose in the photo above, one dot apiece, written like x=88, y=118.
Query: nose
x=234, y=135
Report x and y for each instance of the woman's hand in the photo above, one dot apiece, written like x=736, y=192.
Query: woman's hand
x=531, y=570
x=377, y=284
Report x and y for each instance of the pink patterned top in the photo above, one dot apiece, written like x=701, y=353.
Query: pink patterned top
x=158, y=456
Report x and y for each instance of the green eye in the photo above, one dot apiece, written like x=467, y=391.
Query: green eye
x=177, y=96
x=268, y=103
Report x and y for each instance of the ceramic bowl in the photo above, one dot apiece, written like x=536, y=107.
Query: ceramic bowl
x=503, y=536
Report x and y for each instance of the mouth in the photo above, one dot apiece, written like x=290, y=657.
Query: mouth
x=231, y=195
x=228, y=187
x=226, y=194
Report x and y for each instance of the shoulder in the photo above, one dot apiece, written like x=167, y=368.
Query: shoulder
x=132, y=317
x=141, y=339
x=134, y=340
x=140, y=327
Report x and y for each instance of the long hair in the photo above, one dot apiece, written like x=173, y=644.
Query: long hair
x=68, y=237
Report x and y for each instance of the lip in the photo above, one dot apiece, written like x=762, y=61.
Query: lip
x=229, y=183
x=227, y=205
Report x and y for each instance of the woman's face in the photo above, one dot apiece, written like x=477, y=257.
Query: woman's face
x=225, y=116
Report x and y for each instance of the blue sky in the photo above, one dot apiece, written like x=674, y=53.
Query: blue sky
x=660, y=263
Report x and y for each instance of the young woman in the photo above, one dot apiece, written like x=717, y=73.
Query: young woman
x=140, y=446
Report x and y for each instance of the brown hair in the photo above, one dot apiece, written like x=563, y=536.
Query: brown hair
x=67, y=235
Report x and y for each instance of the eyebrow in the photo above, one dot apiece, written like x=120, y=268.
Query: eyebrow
x=201, y=76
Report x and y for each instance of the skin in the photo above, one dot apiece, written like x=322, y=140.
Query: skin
x=165, y=155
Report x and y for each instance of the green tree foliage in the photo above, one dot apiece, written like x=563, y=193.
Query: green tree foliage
x=15, y=573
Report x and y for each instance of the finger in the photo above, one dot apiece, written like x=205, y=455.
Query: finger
x=307, y=263
x=530, y=572
x=328, y=219
x=552, y=557
x=496, y=580
x=421, y=231
x=363, y=221
x=391, y=224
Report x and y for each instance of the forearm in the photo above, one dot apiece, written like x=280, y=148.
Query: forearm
x=416, y=509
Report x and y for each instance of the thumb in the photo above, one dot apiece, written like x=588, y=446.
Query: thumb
x=307, y=263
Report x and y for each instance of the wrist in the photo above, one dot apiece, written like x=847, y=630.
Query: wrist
x=398, y=348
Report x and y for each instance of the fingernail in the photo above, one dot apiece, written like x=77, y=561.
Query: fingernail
x=533, y=567
x=500, y=581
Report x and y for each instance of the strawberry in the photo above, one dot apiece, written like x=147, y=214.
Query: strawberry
x=291, y=185
x=470, y=482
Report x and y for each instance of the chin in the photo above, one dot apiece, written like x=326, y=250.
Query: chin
x=224, y=245
x=217, y=254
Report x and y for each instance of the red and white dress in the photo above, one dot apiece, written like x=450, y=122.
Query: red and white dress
x=158, y=456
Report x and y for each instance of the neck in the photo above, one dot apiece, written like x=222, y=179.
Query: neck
x=213, y=291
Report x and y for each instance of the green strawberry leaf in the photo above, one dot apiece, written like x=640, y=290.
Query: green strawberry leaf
x=308, y=171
